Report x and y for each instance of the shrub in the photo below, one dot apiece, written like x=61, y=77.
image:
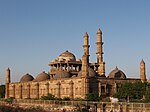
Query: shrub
x=9, y=100
x=48, y=97
x=66, y=98
x=93, y=97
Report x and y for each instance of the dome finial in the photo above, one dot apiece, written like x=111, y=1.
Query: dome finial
x=116, y=68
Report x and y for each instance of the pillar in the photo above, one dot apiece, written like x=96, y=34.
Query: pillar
x=142, y=71
x=7, y=83
x=99, y=84
x=20, y=91
x=71, y=89
x=47, y=88
x=37, y=90
x=28, y=90
x=13, y=90
x=58, y=90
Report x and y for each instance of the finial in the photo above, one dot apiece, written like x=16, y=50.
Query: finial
x=116, y=68
x=86, y=34
x=99, y=31
x=142, y=61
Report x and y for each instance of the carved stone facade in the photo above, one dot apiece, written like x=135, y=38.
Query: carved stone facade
x=72, y=77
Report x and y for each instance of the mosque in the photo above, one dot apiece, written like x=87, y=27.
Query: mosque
x=72, y=77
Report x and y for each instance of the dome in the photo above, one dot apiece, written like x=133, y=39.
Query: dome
x=117, y=74
x=42, y=76
x=61, y=74
x=26, y=78
x=66, y=56
x=92, y=73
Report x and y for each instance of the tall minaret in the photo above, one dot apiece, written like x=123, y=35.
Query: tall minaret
x=85, y=57
x=142, y=71
x=100, y=62
x=7, y=83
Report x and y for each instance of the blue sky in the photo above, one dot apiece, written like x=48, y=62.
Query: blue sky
x=34, y=32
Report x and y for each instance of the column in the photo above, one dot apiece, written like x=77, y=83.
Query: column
x=99, y=84
x=47, y=88
x=37, y=90
x=28, y=90
x=13, y=91
x=86, y=86
x=20, y=91
x=58, y=90
x=71, y=89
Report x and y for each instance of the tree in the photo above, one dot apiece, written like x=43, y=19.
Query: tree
x=132, y=90
x=92, y=97
x=48, y=97
x=2, y=91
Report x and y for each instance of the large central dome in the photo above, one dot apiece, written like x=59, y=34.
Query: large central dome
x=67, y=56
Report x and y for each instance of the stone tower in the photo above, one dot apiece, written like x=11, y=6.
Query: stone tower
x=7, y=83
x=100, y=62
x=142, y=71
x=85, y=57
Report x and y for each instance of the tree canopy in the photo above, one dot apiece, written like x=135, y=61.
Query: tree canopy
x=135, y=91
x=2, y=91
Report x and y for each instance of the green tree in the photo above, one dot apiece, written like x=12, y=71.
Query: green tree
x=92, y=97
x=132, y=90
x=48, y=97
x=2, y=91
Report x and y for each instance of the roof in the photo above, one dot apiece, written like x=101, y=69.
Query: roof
x=61, y=74
x=91, y=72
x=117, y=74
x=42, y=76
x=26, y=78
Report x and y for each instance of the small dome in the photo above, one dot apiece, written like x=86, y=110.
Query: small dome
x=42, y=76
x=26, y=78
x=61, y=74
x=92, y=73
x=67, y=56
x=117, y=74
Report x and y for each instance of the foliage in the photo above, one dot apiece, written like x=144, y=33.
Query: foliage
x=48, y=97
x=66, y=98
x=147, y=93
x=92, y=97
x=52, y=97
x=2, y=91
x=9, y=100
x=135, y=91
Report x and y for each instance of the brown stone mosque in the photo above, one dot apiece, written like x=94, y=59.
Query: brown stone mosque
x=72, y=77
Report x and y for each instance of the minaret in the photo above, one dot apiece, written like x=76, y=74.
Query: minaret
x=100, y=62
x=142, y=71
x=7, y=83
x=86, y=45
x=85, y=57
x=99, y=44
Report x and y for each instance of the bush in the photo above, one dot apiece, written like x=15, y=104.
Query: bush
x=66, y=98
x=93, y=97
x=48, y=97
x=9, y=100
